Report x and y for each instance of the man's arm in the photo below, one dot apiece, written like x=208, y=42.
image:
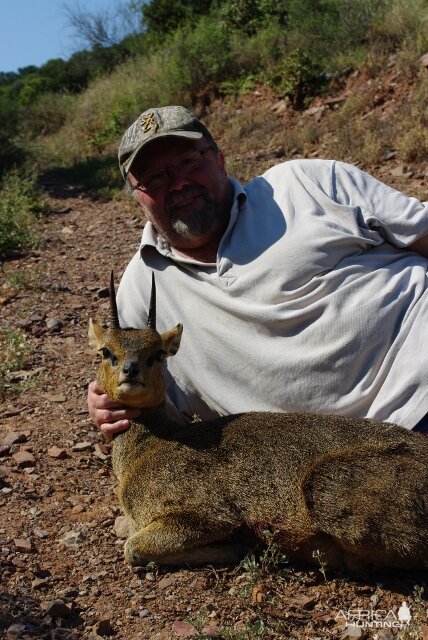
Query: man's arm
x=399, y=219
x=420, y=246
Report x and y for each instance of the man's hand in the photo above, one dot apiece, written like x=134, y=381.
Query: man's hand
x=109, y=416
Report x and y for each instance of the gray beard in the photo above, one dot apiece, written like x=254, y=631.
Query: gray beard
x=198, y=222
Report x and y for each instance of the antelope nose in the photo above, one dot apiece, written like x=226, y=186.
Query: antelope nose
x=131, y=369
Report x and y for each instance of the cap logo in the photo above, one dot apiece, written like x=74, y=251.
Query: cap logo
x=148, y=122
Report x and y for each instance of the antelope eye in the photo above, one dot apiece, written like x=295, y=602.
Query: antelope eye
x=108, y=355
x=159, y=356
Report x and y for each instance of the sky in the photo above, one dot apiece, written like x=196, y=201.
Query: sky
x=34, y=31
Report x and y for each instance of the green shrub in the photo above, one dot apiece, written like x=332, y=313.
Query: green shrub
x=101, y=114
x=397, y=21
x=248, y=16
x=353, y=137
x=298, y=77
x=20, y=202
x=46, y=114
x=31, y=87
x=238, y=86
x=29, y=280
x=259, y=53
x=411, y=136
x=10, y=154
x=16, y=351
x=196, y=55
x=164, y=16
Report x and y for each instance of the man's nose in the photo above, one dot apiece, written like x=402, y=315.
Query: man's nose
x=177, y=179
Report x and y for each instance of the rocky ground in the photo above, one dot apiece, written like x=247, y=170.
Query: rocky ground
x=62, y=569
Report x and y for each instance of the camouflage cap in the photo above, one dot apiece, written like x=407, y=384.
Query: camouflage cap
x=158, y=123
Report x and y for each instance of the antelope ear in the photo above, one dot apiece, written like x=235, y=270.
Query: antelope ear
x=96, y=335
x=171, y=340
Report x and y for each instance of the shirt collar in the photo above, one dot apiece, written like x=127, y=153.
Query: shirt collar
x=150, y=237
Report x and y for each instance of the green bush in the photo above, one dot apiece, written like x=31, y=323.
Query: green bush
x=97, y=117
x=16, y=352
x=396, y=21
x=248, y=16
x=46, y=114
x=31, y=87
x=196, y=55
x=411, y=139
x=30, y=279
x=254, y=56
x=164, y=16
x=10, y=154
x=298, y=77
x=20, y=202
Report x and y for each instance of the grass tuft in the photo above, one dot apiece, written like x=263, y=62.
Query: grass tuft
x=20, y=204
x=28, y=280
x=16, y=351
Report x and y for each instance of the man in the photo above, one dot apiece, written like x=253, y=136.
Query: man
x=304, y=290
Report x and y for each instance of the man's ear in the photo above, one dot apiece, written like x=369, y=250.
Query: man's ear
x=221, y=160
x=171, y=340
x=96, y=335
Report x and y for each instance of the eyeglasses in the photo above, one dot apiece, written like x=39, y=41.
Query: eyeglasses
x=185, y=164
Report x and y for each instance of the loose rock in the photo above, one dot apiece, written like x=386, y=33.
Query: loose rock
x=13, y=437
x=57, y=452
x=23, y=545
x=24, y=459
x=15, y=631
x=56, y=397
x=53, y=324
x=211, y=631
x=183, y=629
x=72, y=538
x=103, y=628
x=82, y=446
x=101, y=451
x=38, y=583
x=353, y=633
x=58, y=609
x=122, y=526
x=166, y=582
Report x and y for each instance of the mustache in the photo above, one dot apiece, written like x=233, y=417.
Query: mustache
x=176, y=197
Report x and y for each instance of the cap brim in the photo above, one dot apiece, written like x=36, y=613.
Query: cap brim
x=192, y=135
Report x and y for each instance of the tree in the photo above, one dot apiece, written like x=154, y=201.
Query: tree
x=250, y=15
x=103, y=27
x=164, y=16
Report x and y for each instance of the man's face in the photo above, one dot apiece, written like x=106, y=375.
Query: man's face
x=188, y=205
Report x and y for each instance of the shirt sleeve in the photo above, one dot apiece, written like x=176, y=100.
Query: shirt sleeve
x=399, y=219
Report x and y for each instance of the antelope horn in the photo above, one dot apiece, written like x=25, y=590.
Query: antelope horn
x=151, y=319
x=114, y=316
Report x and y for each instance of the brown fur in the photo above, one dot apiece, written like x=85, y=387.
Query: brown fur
x=355, y=489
